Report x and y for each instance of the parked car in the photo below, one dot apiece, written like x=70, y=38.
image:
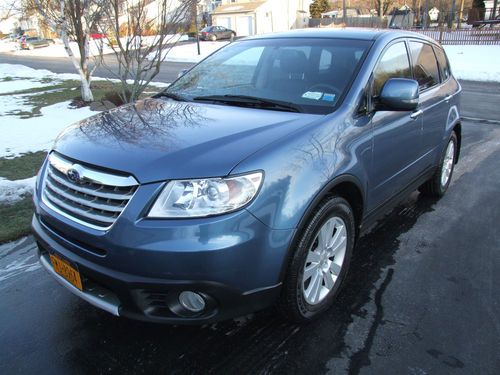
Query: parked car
x=14, y=37
x=214, y=33
x=247, y=181
x=32, y=42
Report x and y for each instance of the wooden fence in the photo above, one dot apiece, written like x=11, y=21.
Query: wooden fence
x=488, y=36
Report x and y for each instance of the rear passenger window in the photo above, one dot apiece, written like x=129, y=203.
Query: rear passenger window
x=325, y=60
x=393, y=64
x=444, y=68
x=425, y=67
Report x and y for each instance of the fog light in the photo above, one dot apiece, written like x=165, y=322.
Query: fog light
x=192, y=301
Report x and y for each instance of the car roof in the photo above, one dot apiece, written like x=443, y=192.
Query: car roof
x=343, y=33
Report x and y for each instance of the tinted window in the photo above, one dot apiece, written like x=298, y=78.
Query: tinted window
x=425, y=68
x=325, y=60
x=393, y=64
x=309, y=73
x=444, y=68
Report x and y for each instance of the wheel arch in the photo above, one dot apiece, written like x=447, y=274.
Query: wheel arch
x=457, y=128
x=345, y=186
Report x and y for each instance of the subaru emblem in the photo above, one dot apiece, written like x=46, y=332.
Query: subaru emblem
x=73, y=175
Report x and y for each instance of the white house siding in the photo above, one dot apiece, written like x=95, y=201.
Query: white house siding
x=271, y=16
x=242, y=23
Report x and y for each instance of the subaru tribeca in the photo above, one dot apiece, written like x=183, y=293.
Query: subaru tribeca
x=246, y=182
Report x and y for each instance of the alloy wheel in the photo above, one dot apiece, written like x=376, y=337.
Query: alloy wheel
x=324, y=260
x=448, y=161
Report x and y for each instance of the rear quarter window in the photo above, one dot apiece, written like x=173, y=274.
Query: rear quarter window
x=444, y=67
x=425, y=67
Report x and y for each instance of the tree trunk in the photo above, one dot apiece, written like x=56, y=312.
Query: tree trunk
x=81, y=69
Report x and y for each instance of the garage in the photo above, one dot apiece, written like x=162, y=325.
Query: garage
x=225, y=22
x=243, y=18
x=244, y=25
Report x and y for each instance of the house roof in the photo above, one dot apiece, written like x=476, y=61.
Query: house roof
x=238, y=7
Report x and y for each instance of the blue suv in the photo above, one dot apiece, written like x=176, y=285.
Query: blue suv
x=246, y=182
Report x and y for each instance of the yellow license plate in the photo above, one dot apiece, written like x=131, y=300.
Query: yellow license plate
x=66, y=270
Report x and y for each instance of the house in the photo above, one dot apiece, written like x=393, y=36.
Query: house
x=265, y=16
x=434, y=14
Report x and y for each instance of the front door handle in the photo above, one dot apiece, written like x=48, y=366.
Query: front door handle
x=447, y=99
x=415, y=114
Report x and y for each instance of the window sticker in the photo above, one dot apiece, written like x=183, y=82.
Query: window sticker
x=328, y=97
x=315, y=95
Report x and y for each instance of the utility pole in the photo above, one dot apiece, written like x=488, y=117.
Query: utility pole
x=344, y=13
x=494, y=12
x=461, y=14
x=426, y=14
x=451, y=17
x=197, y=27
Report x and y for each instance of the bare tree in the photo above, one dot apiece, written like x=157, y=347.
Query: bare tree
x=382, y=6
x=141, y=33
x=74, y=19
x=8, y=8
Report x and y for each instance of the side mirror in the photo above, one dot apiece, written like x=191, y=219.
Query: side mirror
x=182, y=72
x=398, y=94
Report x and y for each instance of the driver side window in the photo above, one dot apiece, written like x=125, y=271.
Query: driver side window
x=393, y=64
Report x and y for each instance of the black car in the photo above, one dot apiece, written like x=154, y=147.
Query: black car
x=216, y=32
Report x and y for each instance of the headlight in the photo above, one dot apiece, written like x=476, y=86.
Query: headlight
x=205, y=197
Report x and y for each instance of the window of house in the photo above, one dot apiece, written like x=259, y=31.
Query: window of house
x=393, y=64
x=425, y=67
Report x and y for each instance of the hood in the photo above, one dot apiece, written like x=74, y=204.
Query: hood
x=161, y=139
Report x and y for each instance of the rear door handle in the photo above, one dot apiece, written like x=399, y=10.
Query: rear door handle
x=447, y=99
x=415, y=114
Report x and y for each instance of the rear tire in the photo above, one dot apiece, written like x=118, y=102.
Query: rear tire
x=316, y=272
x=213, y=38
x=31, y=47
x=231, y=38
x=440, y=181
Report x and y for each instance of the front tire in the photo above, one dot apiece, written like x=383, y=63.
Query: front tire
x=320, y=262
x=439, y=183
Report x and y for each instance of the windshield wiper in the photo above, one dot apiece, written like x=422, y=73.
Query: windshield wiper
x=250, y=101
x=171, y=95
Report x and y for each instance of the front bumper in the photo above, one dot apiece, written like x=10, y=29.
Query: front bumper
x=138, y=268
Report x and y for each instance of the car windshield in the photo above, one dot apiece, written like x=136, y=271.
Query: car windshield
x=309, y=75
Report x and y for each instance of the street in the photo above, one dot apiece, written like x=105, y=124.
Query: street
x=168, y=73
x=421, y=297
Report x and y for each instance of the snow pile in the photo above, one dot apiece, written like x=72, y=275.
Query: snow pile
x=13, y=191
x=475, y=63
x=189, y=52
x=37, y=133
x=8, y=46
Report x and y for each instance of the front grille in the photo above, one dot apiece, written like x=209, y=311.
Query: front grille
x=86, y=195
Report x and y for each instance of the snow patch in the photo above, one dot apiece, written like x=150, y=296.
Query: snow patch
x=189, y=52
x=14, y=191
x=475, y=63
x=38, y=133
